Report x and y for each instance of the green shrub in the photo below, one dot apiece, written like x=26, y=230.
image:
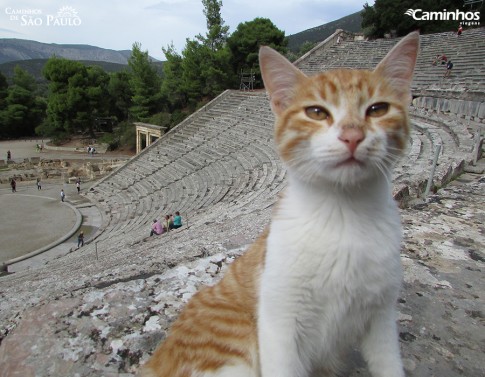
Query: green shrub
x=127, y=134
x=112, y=139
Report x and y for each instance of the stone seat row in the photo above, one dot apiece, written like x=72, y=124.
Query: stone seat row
x=250, y=182
x=210, y=185
x=245, y=188
x=144, y=187
x=463, y=131
x=224, y=153
x=414, y=170
x=467, y=53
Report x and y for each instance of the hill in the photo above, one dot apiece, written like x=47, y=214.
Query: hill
x=351, y=23
x=12, y=49
x=35, y=67
x=32, y=55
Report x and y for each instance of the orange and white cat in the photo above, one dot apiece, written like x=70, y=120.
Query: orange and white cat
x=326, y=274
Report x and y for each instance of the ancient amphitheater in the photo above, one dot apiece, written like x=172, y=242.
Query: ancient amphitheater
x=101, y=310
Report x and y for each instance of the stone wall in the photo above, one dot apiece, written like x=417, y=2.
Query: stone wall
x=56, y=169
x=461, y=108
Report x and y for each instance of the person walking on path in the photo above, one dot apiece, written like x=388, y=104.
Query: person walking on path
x=39, y=186
x=80, y=239
x=63, y=195
x=449, y=67
x=78, y=186
x=9, y=155
x=13, y=184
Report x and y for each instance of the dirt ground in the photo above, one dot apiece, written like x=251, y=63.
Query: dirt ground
x=21, y=149
x=31, y=218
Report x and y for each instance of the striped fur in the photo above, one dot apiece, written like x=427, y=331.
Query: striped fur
x=217, y=328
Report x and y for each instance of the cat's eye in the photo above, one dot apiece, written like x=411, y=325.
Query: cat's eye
x=377, y=109
x=317, y=113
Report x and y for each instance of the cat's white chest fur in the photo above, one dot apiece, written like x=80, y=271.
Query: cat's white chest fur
x=332, y=271
x=332, y=267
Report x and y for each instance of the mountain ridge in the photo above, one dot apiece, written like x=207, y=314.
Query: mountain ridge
x=14, y=49
x=351, y=23
x=32, y=55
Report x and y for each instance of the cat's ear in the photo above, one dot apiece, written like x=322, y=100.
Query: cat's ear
x=280, y=78
x=398, y=65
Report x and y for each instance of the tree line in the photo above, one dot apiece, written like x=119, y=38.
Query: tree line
x=388, y=16
x=80, y=98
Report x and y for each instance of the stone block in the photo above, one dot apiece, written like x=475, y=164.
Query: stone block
x=454, y=107
x=444, y=105
x=481, y=111
x=429, y=102
x=473, y=108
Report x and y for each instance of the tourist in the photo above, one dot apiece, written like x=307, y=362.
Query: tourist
x=449, y=67
x=177, y=221
x=78, y=186
x=9, y=155
x=156, y=228
x=166, y=223
x=80, y=239
x=13, y=184
x=63, y=195
x=39, y=186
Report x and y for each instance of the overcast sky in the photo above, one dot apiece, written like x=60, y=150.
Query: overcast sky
x=154, y=23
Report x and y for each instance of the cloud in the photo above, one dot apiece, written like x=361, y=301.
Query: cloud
x=174, y=5
x=290, y=16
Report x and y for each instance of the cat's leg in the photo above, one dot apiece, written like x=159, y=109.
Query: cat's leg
x=380, y=346
x=278, y=351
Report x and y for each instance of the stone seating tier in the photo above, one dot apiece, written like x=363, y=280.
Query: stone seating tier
x=220, y=169
x=467, y=53
x=218, y=192
x=228, y=157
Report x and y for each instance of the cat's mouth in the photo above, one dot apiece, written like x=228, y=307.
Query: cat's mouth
x=351, y=161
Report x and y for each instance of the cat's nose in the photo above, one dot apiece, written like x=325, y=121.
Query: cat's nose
x=352, y=138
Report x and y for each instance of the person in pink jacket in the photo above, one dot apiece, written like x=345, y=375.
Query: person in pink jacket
x=156, y=228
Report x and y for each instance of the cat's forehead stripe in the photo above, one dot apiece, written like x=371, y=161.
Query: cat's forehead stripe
x=355, y=85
